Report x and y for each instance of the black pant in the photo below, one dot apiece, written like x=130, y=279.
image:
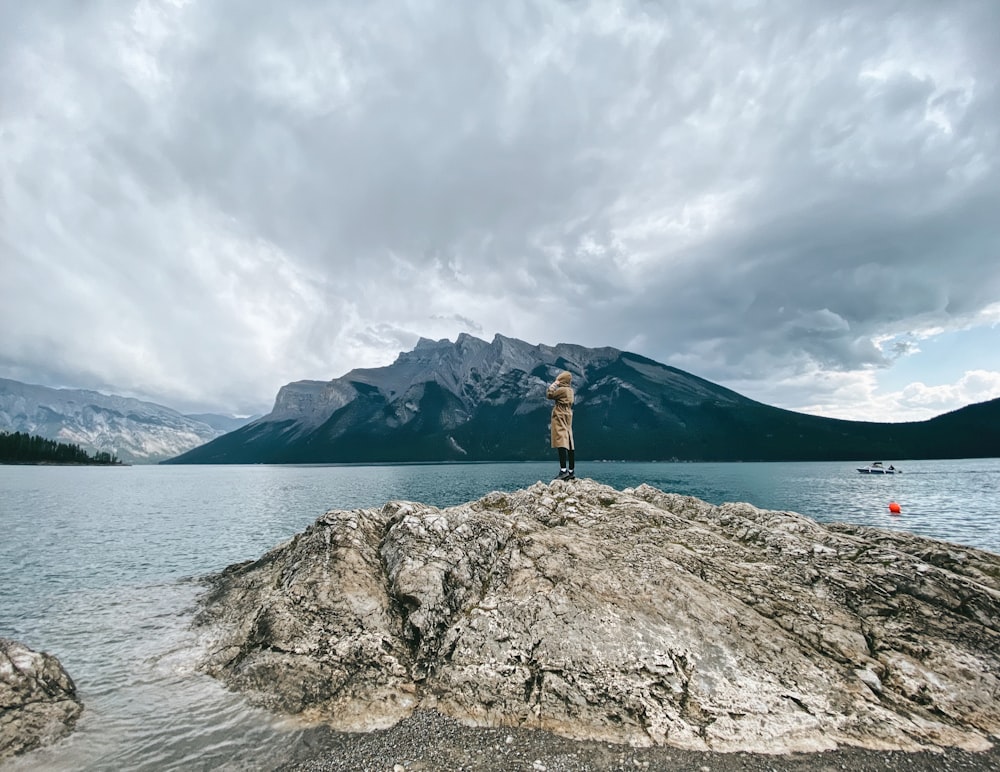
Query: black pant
x=563, y=453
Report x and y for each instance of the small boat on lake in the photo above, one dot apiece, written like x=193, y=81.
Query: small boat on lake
x=877, y=467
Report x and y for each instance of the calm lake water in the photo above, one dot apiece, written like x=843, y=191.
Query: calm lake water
x=100, y=566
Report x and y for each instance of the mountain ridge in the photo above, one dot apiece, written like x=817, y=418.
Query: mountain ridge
x=473, y=400
x=134, y=430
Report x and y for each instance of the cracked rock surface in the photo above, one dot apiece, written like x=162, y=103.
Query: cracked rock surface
x=38, y=702
x=634, y=616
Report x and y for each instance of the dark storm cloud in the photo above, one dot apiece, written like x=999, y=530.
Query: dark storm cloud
x=238, y=194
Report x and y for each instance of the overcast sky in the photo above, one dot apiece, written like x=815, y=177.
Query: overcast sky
x=203, y=200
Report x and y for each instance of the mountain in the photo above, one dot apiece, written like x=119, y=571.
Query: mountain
x=476, y=401
x=135, y=431
x=221, y=423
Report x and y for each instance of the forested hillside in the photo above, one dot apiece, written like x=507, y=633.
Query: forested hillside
x=20, y=448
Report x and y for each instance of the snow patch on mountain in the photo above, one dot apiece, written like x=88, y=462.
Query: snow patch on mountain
x=133, y=430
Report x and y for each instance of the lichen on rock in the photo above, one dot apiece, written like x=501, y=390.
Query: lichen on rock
x=38, y=702
x=633, y=616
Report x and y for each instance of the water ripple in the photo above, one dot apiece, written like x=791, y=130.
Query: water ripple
x=100, y=567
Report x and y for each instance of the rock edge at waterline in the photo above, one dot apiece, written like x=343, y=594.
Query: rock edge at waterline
x=38, y=702
x=632, y=616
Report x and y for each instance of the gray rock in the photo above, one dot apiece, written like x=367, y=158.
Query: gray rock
x=634, y=616
x=38, y=702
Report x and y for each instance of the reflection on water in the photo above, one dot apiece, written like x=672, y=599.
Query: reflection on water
x=100, y=567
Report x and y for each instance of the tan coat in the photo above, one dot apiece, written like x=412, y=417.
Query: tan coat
x=562, y=412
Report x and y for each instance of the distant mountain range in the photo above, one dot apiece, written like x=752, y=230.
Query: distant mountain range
x=133, y=430
x=473, y=400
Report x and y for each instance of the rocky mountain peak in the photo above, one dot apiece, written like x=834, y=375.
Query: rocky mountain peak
x=471, y=400
x=134, y=430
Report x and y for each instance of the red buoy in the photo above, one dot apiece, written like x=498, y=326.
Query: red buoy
x=894, y=508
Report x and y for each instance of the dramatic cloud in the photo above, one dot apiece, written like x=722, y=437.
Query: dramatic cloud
x=203, y=201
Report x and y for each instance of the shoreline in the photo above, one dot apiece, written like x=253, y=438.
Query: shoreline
x=431, y=742
x=61, y=463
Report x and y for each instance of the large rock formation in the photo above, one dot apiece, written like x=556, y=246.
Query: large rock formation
x=632, y=616
x=38, y=702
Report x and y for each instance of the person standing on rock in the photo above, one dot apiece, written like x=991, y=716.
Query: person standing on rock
x=562, y=424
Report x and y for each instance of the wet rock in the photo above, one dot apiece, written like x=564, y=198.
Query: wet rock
x=633, y=616
x=38, y=702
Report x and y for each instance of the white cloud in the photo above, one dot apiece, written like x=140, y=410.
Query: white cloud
x=781, y=198
x=857, y=396
x=974, y=386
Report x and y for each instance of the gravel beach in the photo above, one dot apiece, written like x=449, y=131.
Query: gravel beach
x=428, y=741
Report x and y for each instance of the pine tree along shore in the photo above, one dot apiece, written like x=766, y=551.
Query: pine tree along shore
x=21, y=448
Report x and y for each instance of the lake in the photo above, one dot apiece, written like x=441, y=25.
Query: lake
x=101, y=567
